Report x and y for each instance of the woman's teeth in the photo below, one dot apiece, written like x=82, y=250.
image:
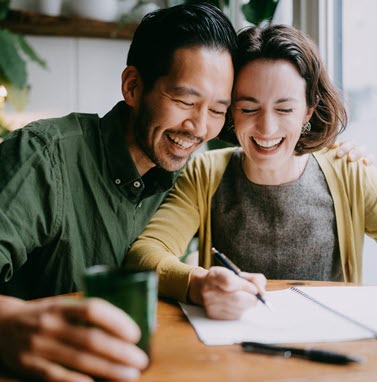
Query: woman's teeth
x=267, y=144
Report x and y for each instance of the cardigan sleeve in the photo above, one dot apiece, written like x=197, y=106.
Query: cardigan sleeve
x=370, y=197
x=185, y=211
x=168, y=234
x=353, y=187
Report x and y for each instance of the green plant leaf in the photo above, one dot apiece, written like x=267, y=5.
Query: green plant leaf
x=30, y=52
x=257, y=11
x=12, y=65
x=4, y=8
x=217, y=3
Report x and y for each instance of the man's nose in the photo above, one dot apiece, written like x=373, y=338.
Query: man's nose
x=197, y=123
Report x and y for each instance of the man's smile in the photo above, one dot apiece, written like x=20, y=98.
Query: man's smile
x=181, y=141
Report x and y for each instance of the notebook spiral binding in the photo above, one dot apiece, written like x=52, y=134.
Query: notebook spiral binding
x=347, y=318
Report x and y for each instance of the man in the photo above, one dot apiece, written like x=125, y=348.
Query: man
x=76, y=191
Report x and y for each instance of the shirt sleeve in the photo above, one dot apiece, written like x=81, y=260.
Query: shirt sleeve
x=29, y=198
x=167, y=236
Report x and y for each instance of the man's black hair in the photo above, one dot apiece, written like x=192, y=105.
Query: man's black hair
x=162, y=32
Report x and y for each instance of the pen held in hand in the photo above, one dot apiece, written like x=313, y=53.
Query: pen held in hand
x=227, y=263
x=310, y=354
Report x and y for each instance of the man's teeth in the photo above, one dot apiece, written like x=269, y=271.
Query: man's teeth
x=268, y=144
x=181, y=142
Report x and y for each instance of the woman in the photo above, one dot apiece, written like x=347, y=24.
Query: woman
x=280, y=205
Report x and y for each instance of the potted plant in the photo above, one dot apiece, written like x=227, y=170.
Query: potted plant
x=13, y=74
x=259, y=11
x=255, y=11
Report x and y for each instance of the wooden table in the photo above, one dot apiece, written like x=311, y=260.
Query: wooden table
x=179, y=356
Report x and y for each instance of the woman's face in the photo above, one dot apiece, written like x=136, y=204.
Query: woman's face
x=269, y=108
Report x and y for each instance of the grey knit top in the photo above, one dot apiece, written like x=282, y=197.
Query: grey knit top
x=285, y=232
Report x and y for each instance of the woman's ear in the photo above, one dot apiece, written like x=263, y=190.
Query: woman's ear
x=310, y=109
x=131, y=86
x=309, y=113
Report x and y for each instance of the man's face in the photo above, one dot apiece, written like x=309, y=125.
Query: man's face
x=185, y=108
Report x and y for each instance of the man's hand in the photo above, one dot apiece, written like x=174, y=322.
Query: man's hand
x=223, y=294
x=353, y=152
x=48, y=339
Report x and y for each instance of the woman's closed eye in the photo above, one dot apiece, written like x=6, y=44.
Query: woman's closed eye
x=249, y=111
x=286, y=111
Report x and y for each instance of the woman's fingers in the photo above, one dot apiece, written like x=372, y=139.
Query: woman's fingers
x=257, y=279
x=228, y=281
x=229, y=306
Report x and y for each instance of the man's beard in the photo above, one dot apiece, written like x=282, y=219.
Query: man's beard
x=142, y=127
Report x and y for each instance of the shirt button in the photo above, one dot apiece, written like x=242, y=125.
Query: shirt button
x=137, y=184
x=140, y=204
x=118, y=181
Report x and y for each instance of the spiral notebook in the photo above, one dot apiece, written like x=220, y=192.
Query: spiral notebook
x=307, y=314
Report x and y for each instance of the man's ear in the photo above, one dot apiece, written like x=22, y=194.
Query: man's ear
x=132, y=86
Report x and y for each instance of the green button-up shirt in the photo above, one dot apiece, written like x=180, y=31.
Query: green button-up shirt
x=70, y=197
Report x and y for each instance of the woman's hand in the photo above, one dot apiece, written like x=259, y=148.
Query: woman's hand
x=223, y=294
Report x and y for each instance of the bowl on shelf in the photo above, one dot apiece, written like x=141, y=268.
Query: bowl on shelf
x=104, y=10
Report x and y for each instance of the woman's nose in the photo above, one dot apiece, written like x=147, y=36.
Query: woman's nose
x=267, y=125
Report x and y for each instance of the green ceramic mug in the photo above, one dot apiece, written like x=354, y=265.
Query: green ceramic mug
x=132, y=291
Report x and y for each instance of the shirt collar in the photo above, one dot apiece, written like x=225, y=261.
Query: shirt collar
x=122, y=167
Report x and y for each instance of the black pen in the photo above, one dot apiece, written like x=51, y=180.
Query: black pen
x=310, y=354
x=233, y=267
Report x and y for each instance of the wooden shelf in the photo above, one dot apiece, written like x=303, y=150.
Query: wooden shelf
x=38, y=24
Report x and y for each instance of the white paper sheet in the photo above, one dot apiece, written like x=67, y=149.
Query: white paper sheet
x=295, y=318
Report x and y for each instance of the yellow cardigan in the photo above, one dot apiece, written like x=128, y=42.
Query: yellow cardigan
x=187, y=209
